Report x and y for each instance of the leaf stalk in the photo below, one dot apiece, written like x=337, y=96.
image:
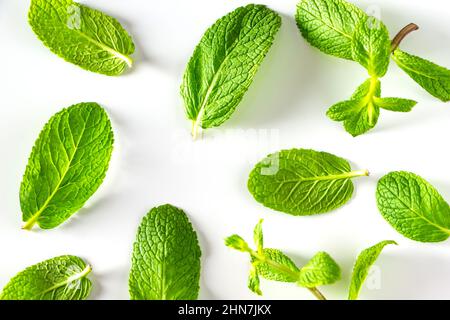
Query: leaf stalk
x=402, y=34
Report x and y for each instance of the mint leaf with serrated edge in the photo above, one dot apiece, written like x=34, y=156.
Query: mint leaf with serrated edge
x=272, y=264
x=60, y=278
x=269, y=273
x=359, y=114
x=329, y=25
x=166, y=257
x=413, y=207
x=224, y=64
x=430, y=76
x=67, y=165
x=81, y=35
x=371, y=46
x=320, y=270
x=394, y=104
x=362, y=266
x=303, y=182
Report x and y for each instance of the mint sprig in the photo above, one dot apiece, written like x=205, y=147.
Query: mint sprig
x=272, y=264
x=320, y=270
x=341, y=29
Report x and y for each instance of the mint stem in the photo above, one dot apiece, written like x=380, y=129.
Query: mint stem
x=30, y=223
x=283, y=269
x=317, y=293
x=402, y=34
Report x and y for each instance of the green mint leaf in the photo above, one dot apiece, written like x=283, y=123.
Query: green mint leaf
x=253, y=281
x=363, y=119
x=320, y=270
x=329, y=25
x=360, y=114
x=83, y=36
x=430, y=76
x=166, y=257
x=225, y=62
x=302, y=182
x=344, y=110
x=60, y=278
x=370, y=88
x=258, y=237
x=371, y=46
x=67, y=165
x=362, y=266
x=236, y=242
x=413, y=207
x=267, y=271
x=395, y=104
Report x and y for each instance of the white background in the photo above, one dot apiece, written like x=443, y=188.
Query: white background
x=155, y=160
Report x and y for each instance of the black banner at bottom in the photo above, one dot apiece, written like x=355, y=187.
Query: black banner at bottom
x=220, y=309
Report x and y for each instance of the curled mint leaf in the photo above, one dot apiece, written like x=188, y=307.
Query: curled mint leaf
x=430, y=76
x=320, y=270
x=166, y=257
x=67, y=165
x=224, y=64
x=303, y=182
x=60, y=278
x=258, y=236
x=253, y=281
x=237, y=243
x=329, y=25
x=413, y=207
x=362, y=266
x=82, y=36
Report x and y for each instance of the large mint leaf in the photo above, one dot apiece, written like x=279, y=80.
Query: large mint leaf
x=329, y=25
x=371, y=46
x=430, y=76
x=67, y=165
x=166, y=257
x=60, y=278
x=83, y=36
x=225, y=62
x=413, y=207
x=362, y=266
x=320, y=270
x=302, y=182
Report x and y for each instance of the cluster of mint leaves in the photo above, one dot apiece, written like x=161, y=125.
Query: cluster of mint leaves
x=80, y=138
x=322, y=269
x=341, y=29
